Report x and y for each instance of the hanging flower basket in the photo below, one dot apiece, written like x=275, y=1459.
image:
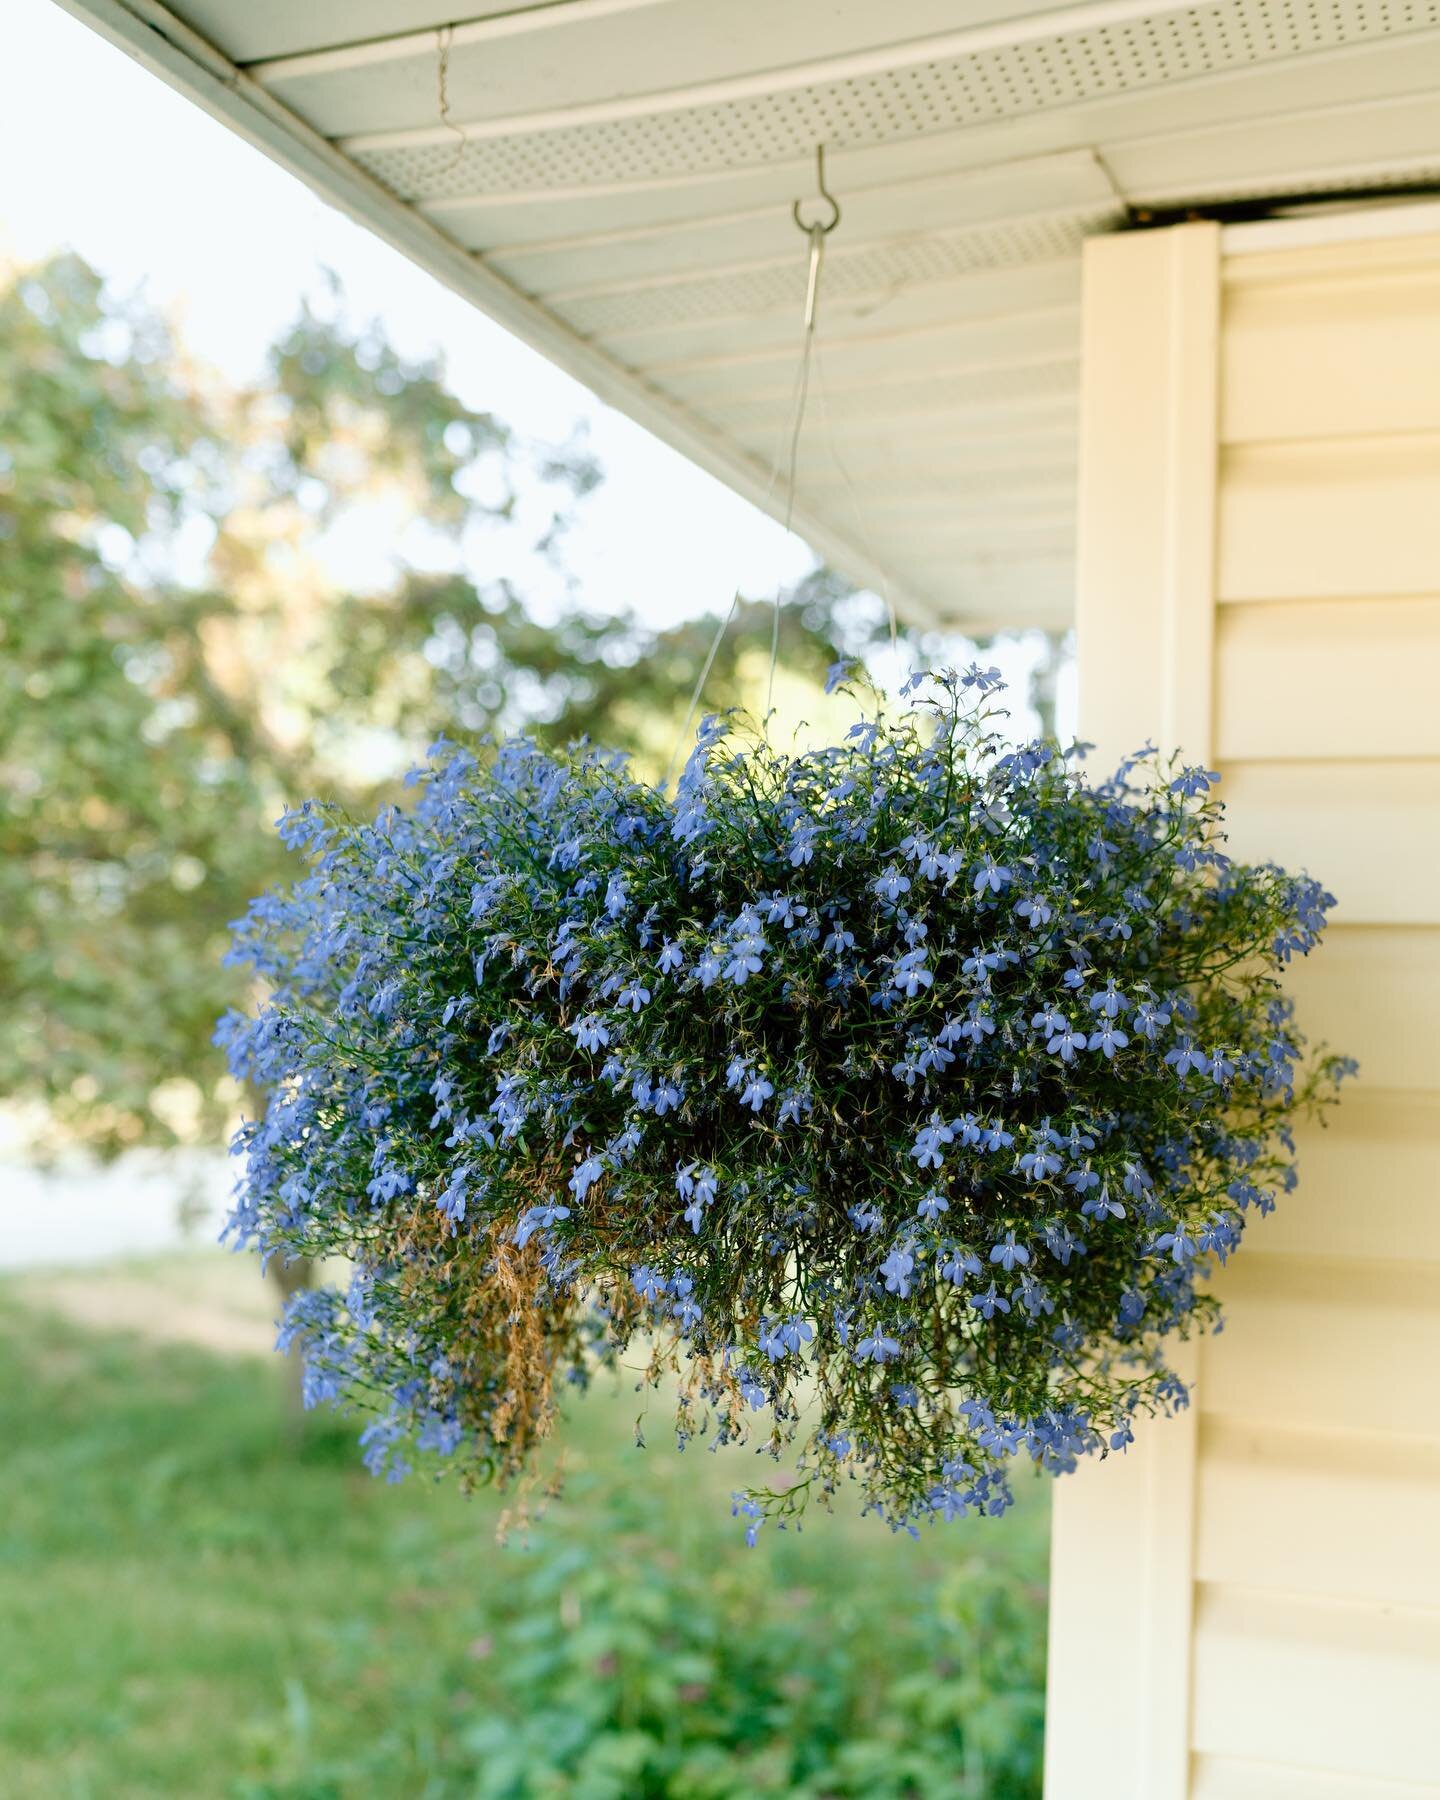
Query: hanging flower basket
x=896, y=1098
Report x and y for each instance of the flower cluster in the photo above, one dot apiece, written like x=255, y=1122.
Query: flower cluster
x=896, y=1098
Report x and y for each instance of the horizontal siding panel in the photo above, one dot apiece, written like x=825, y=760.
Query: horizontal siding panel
x=1338, y=517
x=1329, y=679
x=1349, y=1514
x=1231, y=1778
x=1369, y=1184
x=1369, y=831
x=1405, y=252
x=1332, y=358
x=1373, y=992
x=1326, y=1685
x=1319, y=1345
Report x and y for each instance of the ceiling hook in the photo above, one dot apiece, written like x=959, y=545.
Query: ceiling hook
x=825, y=195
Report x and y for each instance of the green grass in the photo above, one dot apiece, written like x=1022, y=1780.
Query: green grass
x=191, y=1606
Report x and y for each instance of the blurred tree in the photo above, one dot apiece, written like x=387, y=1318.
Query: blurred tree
x=172, y=670
x=181, y=656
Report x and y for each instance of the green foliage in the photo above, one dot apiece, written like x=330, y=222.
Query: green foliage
x=188, y=1607
x=121, y=769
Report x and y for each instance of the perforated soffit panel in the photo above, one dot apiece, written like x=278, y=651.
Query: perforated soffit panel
x=612, y=179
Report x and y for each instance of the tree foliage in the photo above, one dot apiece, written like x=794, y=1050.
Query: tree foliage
x=181, y=660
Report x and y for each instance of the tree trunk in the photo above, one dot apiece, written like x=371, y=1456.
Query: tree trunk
x=293, y=1278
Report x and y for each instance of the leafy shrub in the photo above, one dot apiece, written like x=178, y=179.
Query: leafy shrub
x=215, y=1612
x=621, y=1674
x=896, y=1096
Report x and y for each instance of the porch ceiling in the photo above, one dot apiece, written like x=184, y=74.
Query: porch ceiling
x=612, y=180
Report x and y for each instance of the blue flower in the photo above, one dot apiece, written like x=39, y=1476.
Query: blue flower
x=752, y=1390
x=538, y=1218
x=927, y=1147
x=1041, y=1163
x=697, y=1186
x=756, y=1092
x=1185, y=1056
x=617, y=896
x=990, y=876
x=1180, y=1245
x=586, y=1175
x=910, y=974
x=1137, y=1182
x=892, y=884
x=956, y=1264
x=1066, y=1042
x=1192, y=784
x=795, y=1103
x=1008, y=1253
x=649, y=1285
x=754, y=1514
x=1108, y=1039
x=897, y=1269
x=989, y=1303
x=746, y=952
x=785, y=910
x=780, y=1338
x=684, y=1309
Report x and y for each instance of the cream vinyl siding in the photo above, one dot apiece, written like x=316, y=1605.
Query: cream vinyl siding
x=1248, y=1607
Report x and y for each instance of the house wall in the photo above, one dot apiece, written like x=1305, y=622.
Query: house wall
x=1247, y=1607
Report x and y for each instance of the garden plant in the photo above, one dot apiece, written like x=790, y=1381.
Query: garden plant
x=893, y=1100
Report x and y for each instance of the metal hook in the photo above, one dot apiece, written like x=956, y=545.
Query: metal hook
x=825, y=195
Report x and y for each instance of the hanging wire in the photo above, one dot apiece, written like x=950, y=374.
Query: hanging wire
x=807, y=352
x=862, y=535
x=444, y=38
x=816, y=232
x=776, y=460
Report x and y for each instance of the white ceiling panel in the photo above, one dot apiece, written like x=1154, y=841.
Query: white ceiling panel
x=863, y=370
x=246, y=30
x=613, y=180
x=1317, y=147
x=598, y=53
x=926, y=205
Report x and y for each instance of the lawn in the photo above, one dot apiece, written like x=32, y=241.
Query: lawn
x=192, y=1605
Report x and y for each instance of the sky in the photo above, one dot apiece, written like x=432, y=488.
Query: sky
x=98, y=156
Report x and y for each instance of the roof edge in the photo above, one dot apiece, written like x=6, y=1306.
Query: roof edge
x=168, y=48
